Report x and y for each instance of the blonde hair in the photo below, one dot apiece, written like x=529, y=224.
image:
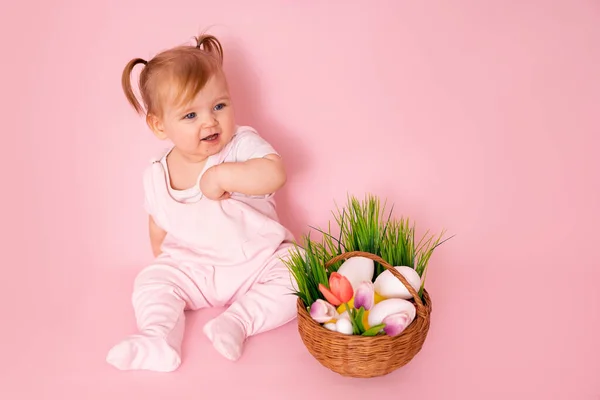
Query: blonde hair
x=182, y=71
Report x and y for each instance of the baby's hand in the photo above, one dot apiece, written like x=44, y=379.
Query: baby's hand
x=210, y=186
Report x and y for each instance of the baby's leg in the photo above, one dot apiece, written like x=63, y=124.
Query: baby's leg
x=161, y=294
x=267, y=305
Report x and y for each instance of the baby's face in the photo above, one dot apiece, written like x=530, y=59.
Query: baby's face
x=204, y=126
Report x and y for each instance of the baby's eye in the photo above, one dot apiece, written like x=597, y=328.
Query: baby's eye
x=190, y=115
x=219, y=106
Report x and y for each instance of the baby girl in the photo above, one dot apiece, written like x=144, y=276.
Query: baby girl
x=213, y=225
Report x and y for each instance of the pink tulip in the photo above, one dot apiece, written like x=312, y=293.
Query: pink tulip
x=340, y=289
x=396, y=323
x=365, y=295
x=321, y=311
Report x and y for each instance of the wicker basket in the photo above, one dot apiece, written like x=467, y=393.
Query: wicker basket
x=366, y=356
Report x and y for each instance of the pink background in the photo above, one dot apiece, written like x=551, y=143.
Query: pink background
x=476, y=116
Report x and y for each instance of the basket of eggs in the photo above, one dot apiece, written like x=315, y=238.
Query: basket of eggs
x=363, y=310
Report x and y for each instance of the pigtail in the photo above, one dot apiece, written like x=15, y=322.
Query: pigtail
x=126, y=83
x=211, y=45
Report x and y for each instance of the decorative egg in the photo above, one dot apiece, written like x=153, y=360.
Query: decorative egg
x=344, y=326
x=388, y=286
x=388, y=307
x=357, y=270
x=331, y=326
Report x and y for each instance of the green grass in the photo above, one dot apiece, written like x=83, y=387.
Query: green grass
x=399, y=247
x=363, y=226
x=307, y=266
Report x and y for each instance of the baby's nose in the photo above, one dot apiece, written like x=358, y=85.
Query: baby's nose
x=208, y=121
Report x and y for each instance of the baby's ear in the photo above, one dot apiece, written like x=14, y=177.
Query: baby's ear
x=156, y=126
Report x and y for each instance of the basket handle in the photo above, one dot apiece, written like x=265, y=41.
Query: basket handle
x=398, y=275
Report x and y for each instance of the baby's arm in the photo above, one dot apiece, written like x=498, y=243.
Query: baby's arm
x=254, y=177
x=157, y=235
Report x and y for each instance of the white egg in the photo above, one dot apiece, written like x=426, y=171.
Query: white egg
x=344, y=326
x=389, y=307
x=331, y=326
x=357, y=270
x=388, y=286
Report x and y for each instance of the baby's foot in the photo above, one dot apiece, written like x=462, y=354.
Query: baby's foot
x=144, y=352
x=227, y=335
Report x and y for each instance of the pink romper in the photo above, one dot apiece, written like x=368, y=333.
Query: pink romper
x=216, y=253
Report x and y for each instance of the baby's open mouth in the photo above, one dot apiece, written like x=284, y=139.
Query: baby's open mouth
x=211, y=137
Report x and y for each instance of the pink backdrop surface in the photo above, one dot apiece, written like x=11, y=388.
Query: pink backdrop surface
x=480, y=117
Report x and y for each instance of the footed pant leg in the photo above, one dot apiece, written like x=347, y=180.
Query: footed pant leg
x=268, y=304
x=161, y=294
